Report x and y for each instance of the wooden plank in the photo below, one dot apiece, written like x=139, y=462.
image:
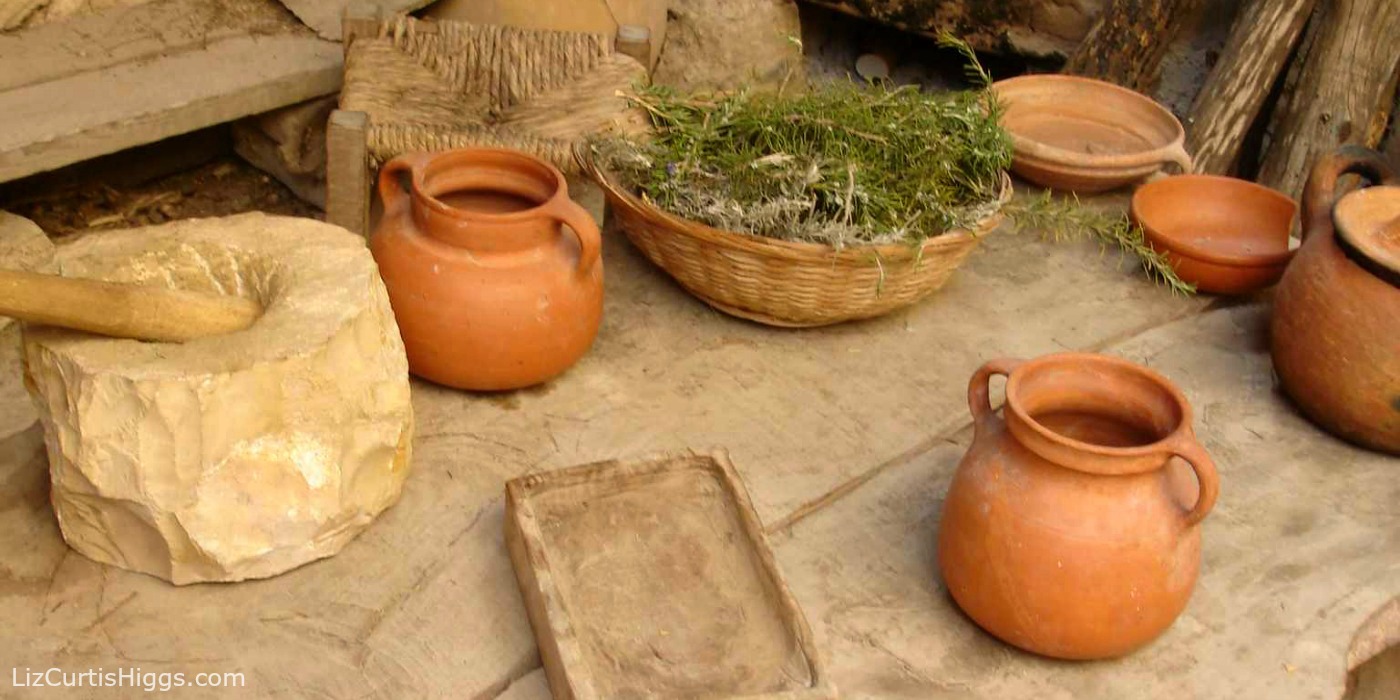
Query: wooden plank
x=1344, y=91
x=51, y=124
x=347, y=171
x=1261, y=40
x=113, y=37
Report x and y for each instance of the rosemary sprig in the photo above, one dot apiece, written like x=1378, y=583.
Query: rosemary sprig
x=972, y=68
x=1060, y=219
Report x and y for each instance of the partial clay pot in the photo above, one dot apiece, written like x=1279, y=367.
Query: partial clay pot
x=1071, y=529
x=1336, y=323
x=1087, y=136
x=490, y=290
x=1222, y=234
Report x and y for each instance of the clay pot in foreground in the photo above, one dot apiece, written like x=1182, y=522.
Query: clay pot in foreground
x=1222, y=234
x=493, y=272
x=1085, y=135
x=1071, y=529
x=1335, y=332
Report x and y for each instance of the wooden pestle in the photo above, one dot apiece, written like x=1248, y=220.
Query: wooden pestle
x=122, y=310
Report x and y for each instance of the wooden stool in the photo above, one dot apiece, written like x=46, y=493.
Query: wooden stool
x=414, y=85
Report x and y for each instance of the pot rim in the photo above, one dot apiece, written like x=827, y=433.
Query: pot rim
x=1168, y=443
x=1055, y=155
x=477, y=154
x=1362, y=239
x=1187, y=250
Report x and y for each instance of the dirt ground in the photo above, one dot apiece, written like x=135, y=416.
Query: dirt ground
x=225, y=185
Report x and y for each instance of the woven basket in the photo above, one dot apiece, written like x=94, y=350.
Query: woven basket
x=785, y=283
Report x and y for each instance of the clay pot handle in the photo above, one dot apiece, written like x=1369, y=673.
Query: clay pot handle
x=391, y=191
x=1191, y=451
x=590, y=239
x=1321, y=191
x=1177, y=154
x=978, y=392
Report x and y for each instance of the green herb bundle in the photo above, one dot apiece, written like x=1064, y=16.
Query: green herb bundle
x=842, y=164
x=848, y=165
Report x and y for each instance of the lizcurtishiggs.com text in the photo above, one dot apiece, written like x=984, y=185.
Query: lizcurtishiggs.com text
x=149, y=681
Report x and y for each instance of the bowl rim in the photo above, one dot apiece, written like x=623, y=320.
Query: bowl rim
x=1183, y=429
x=1172, y=151
x=1208, y=255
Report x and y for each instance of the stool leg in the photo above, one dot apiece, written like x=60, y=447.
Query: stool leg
x=347, y=171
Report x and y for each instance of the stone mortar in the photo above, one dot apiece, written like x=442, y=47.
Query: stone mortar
x=231, y=457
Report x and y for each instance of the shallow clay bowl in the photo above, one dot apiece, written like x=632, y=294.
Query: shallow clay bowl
x=1086, y=135
x=1225, y=235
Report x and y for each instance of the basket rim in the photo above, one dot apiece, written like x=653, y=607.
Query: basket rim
x=792, y=250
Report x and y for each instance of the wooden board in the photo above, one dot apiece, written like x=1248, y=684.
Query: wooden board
x=111, y=80
x=653, y=578
x=348, y=186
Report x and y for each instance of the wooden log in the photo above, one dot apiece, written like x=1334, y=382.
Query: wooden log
x=1034, y=27
x=1261, y=40
x=1128, y=43
x=1344, y=89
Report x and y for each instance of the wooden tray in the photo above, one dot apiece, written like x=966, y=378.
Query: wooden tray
x=652, y=578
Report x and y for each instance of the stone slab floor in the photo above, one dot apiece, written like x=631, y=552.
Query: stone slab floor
x=847, y=438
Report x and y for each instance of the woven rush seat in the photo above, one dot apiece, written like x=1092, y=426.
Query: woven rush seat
x=429, y=86
x=435, y=85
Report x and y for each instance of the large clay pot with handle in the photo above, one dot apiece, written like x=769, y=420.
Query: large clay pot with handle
x=1336, y=322
x=1072, y=527
x=493, y=272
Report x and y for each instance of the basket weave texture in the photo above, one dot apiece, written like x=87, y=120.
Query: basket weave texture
x=787, y=283
x=436, y=85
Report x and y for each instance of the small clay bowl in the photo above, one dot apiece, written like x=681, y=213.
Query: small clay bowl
x=1086, y=136
x=1223, y=234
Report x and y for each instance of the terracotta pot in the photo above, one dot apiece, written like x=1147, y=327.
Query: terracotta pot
x=1070, y=530
x=1222, y=234
x=1084, y=135
x=1336, y=321
x=489, y=288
